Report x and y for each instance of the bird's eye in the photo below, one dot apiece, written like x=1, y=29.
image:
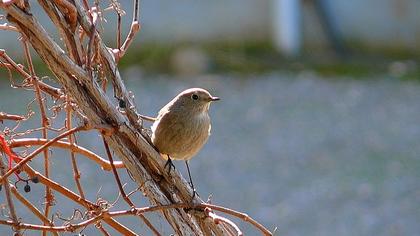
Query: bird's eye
x=194, y=97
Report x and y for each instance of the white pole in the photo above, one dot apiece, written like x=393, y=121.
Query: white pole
x=287, y=26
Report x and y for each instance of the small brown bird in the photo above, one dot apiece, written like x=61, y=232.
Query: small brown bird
x=183, y=126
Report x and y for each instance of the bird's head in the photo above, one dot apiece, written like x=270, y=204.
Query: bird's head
x=194, y=99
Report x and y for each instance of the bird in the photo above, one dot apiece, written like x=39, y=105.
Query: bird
x=183, y=126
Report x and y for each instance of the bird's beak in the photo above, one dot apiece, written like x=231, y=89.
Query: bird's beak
x=214, y=99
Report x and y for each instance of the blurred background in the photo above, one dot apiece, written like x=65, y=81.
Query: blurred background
x=317, y=131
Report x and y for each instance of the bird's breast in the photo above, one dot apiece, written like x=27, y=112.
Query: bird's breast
x=181, y=136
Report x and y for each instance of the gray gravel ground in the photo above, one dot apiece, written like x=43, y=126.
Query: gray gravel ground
x=307, y=155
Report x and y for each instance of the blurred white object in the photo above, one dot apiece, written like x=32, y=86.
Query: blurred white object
x=287, y=16
x=190, y=61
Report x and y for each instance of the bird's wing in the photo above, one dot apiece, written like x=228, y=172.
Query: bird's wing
x=165, y=110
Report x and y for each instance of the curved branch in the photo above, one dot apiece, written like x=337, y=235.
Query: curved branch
x=65, y=228
x=5, y=116
x=199, y=206
x=217, y=219
x=105, y=165
x=137, y=211
x=9, y=199
x=8, y=27
x=31, y=207
x=40, y=149
x=76, y=198
x=240, y=215
x=55, y=92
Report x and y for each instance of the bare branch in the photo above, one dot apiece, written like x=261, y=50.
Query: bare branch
x=5, y=26
x=5, y=183
x=120, y=187
x=134, y=29
x=76, y=173
x=55, y=92
x=5, y=116
x=104, y=164
x=217, y=219
x=31, y=207
x=39, y=150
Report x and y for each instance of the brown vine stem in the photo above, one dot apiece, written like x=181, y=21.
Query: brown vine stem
x=117, y=178
x=67, y=32
x=92, y=36
x=86, y=6
x=199, y=206
x=66, y=228
x=104, y=164
x=40, y=149
x=9, y=2
x=103, y=231
x=76, y=172
x=134, y=29
x=49, y=197
x=202, y=206
x=31, y=207
x=136, y=211
x=238, y=214
x=60, y=188
x=76, y=198
x=9, y=199
x=5, y=116
x=8, y=27
x=54, y=92
x=123, y=194
x=217, y=219
x=69, y=12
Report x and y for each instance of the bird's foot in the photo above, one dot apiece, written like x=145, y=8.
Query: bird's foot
x=170, y=165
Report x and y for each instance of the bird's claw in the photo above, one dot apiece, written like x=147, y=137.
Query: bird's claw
x=170, y=164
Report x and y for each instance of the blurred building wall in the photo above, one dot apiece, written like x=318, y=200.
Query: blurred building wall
x=379, y=24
